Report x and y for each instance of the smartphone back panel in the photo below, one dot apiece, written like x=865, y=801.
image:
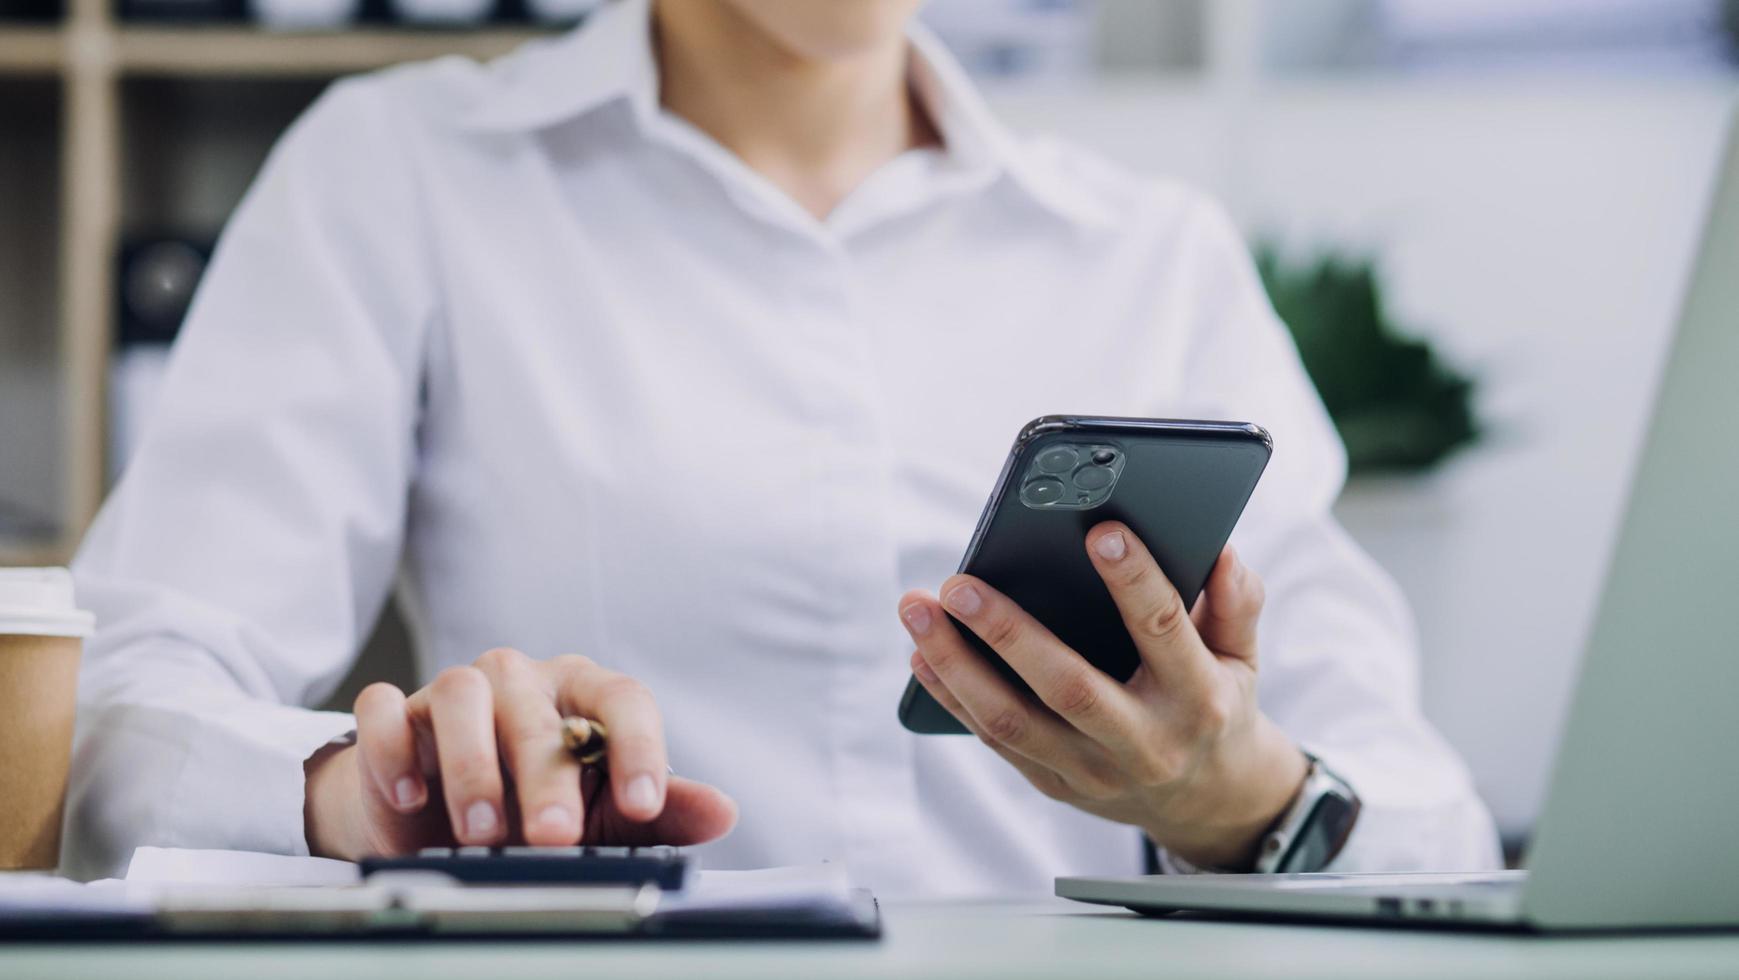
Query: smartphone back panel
x=1180, y=486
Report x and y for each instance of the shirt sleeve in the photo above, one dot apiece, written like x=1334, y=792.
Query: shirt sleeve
x=250, y=545
x=1339, y=663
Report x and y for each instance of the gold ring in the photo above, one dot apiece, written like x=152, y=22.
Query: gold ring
x=585, y=740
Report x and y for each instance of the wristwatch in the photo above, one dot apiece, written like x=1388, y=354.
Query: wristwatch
x=1314, y=828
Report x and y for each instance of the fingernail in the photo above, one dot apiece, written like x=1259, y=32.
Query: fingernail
x=405, y=792
x=921, y=667
x=1112, y=547
x=481, y=821
x=641, y=794
x=965, y=600
x=917, y=618
x=556, y=817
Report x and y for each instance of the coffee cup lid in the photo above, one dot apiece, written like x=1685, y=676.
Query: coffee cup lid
x=39, y=602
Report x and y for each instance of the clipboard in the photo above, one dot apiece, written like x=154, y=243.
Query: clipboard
x=429, y=910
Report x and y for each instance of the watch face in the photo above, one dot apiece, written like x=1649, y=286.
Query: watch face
x=1323, y=833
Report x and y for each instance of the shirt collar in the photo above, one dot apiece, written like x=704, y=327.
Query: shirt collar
x=974, y=137
x=609, y=59
x=605, y=60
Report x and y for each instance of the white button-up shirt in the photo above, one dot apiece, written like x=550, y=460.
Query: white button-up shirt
x=577, y=379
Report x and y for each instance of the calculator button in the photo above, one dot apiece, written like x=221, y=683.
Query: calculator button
x=474, y=852
x=435, y=852
x=541, y=852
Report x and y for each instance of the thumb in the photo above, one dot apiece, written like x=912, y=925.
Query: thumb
x=1226, y=614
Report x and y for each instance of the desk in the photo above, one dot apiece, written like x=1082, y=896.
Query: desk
x=1004, y=942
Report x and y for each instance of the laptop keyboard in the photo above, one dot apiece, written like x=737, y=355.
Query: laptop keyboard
x=1387, y=882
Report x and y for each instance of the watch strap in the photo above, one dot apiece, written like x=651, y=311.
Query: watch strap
x=1311, y=832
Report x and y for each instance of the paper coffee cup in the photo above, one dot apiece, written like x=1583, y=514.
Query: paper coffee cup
x=42, y=633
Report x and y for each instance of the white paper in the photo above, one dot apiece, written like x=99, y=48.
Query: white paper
x=804, y=886
x=179, y=866
x=39, y=894
x=812, y=886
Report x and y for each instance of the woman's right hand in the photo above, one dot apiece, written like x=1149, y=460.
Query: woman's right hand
x=476, y=758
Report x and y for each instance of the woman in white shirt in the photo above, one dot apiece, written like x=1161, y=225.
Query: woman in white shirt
x=691, y=342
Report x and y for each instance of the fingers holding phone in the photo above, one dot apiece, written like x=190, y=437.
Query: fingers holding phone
x=1074, y=643
x=1181, y=749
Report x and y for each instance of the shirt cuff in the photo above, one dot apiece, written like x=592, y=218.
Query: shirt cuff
x=1171, y=864
x=1422, y=818
x=250, y=792
x=226, y=776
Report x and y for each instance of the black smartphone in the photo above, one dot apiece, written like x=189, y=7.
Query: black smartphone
x=1179, y=485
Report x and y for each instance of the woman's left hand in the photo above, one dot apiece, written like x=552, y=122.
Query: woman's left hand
x=1181, y=750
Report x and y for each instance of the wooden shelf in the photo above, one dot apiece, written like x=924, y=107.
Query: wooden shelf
x=92, y=56
x=248, y=52
x=245, y=52
x=16, y=554
x=31, y=50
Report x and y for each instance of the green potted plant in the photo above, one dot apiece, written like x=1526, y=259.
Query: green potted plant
x=1402, y=411
x=1398, y=406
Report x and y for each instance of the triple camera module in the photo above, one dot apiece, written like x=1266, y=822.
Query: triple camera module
x=1071, y=476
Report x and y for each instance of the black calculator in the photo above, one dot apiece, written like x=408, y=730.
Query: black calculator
x=666, y=867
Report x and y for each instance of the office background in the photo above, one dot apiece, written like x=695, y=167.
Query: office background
x=1508, y=192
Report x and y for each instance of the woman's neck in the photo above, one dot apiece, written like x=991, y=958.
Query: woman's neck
x=814, y=127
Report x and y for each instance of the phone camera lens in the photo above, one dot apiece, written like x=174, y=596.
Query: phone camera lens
x=1057, y=459
x=1103, y=456
x=1043, y=490
x=1093, y=478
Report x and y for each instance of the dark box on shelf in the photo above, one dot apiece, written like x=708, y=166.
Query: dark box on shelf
x=180, y=11
x=155, y=279
x=35, y=11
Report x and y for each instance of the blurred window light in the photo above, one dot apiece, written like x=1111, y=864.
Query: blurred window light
x=1046, y=40
x=1665, y=36
x=1065, y=40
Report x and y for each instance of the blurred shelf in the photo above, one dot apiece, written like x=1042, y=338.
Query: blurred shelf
x=246, y=52
x=250, y=52
x=31, y=49
x=25, y=554
x=92, y=56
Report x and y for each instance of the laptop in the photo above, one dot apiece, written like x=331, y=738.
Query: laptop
x=1641, y=823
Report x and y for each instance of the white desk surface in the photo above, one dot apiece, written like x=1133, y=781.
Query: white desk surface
x=932, y=940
